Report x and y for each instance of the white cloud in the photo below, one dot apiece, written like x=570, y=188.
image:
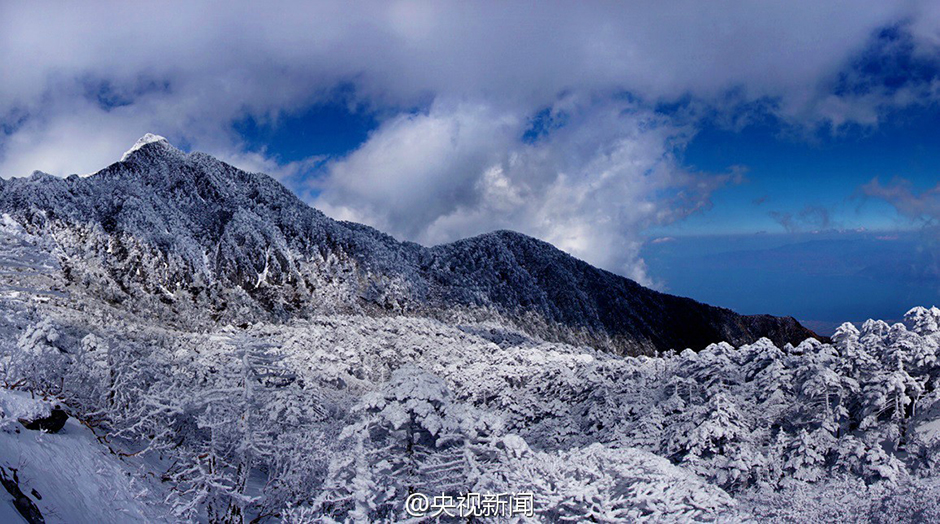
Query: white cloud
x=921, y=207
x=589, y=187
x=416, y=168
x=81, y=83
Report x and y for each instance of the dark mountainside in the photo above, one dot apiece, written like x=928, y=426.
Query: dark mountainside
x=193, y=240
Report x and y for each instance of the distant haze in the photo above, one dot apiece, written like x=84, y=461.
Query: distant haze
x=821, y=279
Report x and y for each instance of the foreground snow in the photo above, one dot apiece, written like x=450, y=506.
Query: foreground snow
x=69, y=475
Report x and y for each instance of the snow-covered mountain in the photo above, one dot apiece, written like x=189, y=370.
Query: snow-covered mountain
x=338, y=418
x=341, y=409
x=186, y=236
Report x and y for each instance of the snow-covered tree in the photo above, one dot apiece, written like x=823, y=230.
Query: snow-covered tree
x=411, y=437
x=40, y=360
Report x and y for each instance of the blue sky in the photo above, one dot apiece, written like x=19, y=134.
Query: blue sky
x=815, y=179
x=819, y=176
x=623, y=133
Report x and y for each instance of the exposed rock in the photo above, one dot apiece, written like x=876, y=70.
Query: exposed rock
x=50, y=424
x=23, y=504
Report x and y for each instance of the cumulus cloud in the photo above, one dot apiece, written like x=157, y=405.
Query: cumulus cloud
x=590, y=186
x=81, y=83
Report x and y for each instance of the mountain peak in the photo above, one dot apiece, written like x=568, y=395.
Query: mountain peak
x=149, y=138
x=236, y=243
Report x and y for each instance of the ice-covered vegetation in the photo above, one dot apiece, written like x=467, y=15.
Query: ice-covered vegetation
x=342, y=416
x=227, y=354
x=186, y=236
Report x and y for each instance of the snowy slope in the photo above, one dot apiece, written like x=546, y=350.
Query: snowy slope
x=258, y=360
x=77, y=477
x=149, y=138
x=185, y=235
x=338, y=416
x=69, y=475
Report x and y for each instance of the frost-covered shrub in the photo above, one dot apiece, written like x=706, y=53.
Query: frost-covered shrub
x=341, y=416
x=39, y=359
x=411, y=436
x=601, y=484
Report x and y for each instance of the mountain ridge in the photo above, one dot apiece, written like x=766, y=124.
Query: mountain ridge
x=187, y=235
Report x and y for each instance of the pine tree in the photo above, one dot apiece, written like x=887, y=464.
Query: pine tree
x=806, y=455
